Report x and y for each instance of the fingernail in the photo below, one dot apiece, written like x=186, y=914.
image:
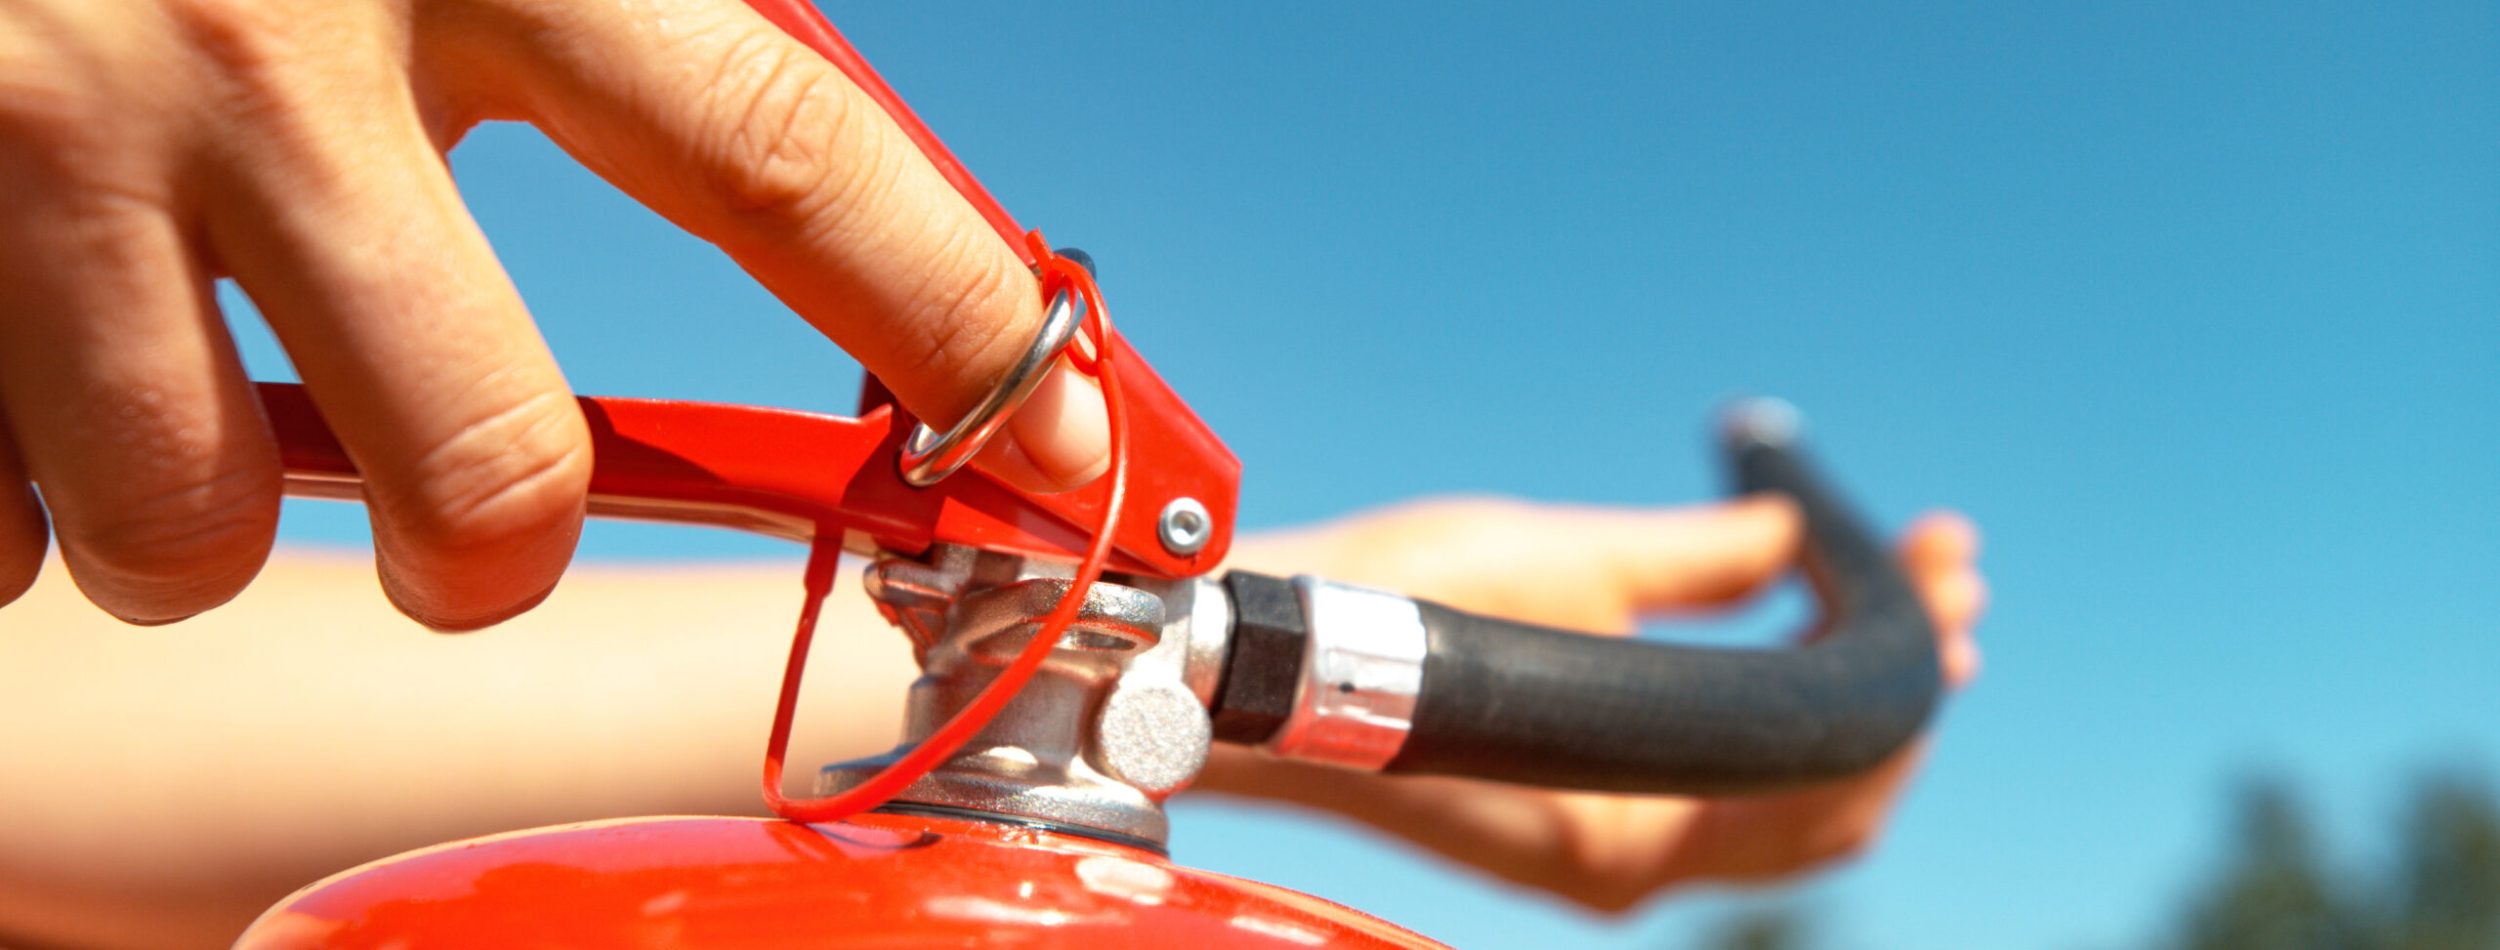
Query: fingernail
x=153, y=622
x=440, y=624
x=395, y=590
x=1062, y=431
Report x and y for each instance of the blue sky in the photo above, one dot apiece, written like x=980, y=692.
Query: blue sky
x=2194, y=307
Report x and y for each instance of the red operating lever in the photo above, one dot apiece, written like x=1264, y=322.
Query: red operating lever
x=794, y=474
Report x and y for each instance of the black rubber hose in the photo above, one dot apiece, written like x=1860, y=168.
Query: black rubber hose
x=1535, y=706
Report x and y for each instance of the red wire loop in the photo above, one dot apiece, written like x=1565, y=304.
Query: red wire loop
x=808, y=26
x=1056, y=272
x=801, y=20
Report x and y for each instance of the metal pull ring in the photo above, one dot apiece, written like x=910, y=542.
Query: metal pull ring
x=927, y=457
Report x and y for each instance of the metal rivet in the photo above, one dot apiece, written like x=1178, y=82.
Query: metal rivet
x=1185, y=526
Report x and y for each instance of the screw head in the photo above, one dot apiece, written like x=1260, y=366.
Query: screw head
x=1185, y=526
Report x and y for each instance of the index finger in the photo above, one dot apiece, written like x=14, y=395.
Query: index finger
x=712, y=116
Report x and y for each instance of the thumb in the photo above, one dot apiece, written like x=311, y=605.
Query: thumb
x=715, y=118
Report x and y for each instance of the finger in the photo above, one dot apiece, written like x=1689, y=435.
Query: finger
x=1940, y=553
x=1683, y=557
x=711, y=115
x=23, y=535
x=1940, y=541
x=1959, y=650
x=349, y=235
x=126, y=404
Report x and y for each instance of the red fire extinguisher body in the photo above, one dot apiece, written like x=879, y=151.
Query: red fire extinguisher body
x=879, y=880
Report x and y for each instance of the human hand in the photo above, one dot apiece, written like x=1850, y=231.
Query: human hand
x=1601, y=570
x=149, y=148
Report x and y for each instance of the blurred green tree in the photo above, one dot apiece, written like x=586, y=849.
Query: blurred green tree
x=2276, y=889
x=2277, y=892
x=2448, y=885
x=2274, y=892
x=1780, y=927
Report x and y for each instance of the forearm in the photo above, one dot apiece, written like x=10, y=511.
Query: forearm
x=202, y=770
x=166, y=784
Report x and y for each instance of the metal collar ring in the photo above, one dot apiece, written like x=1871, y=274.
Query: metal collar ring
x=927, y=457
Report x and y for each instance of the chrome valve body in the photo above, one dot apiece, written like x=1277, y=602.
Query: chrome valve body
x=1113, y=723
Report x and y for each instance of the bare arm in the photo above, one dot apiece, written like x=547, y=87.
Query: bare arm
x=163, y=785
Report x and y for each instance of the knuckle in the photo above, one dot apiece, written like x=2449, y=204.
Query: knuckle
x=39, y=104
x=503, y=481
x=240, y=39
x=201, y=536
x=291, y=74
x=54, y=86
x=776, y=123
x=258, y=39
